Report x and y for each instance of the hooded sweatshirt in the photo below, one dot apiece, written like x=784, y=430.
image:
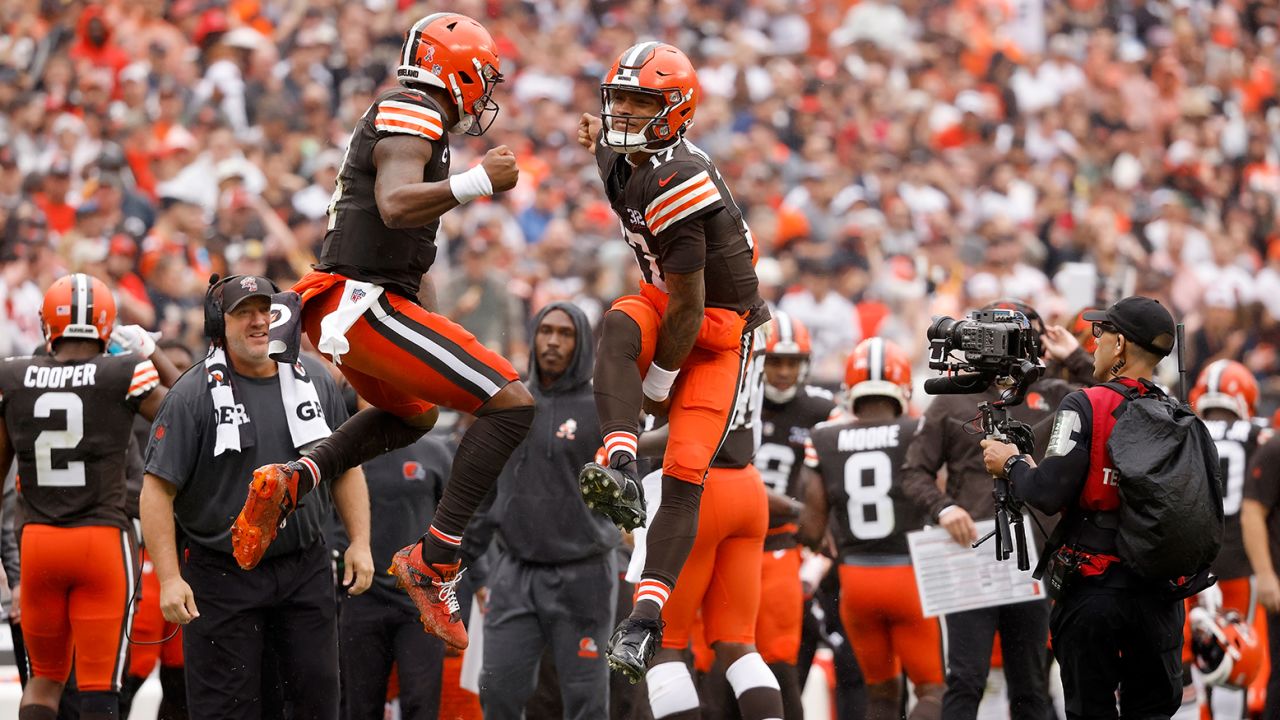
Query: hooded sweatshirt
x=538, y=508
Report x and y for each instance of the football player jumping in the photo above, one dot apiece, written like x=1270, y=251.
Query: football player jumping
x=360, y=306
x=680, y=346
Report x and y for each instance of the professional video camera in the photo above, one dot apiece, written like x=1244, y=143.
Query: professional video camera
x=999, y=347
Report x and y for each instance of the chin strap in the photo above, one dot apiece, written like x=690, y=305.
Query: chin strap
x=774, y=395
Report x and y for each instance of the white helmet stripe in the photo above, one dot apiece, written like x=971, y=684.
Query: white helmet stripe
x=875, y=359
x=637, y=52
x=412, y=44
x=1213, y=382
x=80, y=298
x=786, y=333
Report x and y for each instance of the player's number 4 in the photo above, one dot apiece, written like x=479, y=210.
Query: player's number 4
x=66, y=439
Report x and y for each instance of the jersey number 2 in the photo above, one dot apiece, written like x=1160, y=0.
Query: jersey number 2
x=66, y=439
x=870, y=507
x=1231, y=455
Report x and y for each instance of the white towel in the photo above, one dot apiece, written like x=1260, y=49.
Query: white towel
x=302, y=405
x=357, y=297
x=652, y=484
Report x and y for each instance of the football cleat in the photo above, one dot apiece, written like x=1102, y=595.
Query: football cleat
x=614, y=493
x=434, y=591
x=633, y=645
x=273, y=494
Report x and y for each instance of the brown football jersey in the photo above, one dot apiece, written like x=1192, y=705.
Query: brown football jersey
x=70, y=424
x=860, y=464
x=679, y=217
x=359, y=244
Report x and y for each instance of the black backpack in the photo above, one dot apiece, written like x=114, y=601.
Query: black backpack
x=1170, y=522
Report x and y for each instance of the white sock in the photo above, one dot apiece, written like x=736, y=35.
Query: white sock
x=671, y=689
x=750, y=671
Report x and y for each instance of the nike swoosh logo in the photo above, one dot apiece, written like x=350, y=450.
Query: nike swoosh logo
x=663, y=183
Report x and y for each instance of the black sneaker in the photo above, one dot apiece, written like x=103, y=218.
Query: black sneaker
x=632, y=646
x=614, y=493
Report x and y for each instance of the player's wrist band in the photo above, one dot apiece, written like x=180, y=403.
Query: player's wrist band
x=658, y=382
x=946, y=510
x=469, y=185
x=1008, y=464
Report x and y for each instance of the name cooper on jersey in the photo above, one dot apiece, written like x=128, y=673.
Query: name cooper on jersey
x=59, y=377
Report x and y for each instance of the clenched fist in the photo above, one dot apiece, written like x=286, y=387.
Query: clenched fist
x=588, y=131
x=500, y=164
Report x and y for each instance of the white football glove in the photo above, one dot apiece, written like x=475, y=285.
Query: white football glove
x=135, y=339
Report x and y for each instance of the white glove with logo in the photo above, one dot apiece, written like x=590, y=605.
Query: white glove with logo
x=135, y=339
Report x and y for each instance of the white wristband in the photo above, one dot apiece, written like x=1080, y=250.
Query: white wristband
x=946, y=510
x=469, y=185
x=658, y=382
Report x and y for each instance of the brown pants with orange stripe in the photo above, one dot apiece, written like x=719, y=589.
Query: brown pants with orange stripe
x=77, y=586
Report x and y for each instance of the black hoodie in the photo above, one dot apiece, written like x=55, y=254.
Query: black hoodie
x=538, y=508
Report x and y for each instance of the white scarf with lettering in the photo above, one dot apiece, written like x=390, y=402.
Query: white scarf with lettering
x=302, y=406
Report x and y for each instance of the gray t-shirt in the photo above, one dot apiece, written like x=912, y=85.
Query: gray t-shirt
x=212, y=490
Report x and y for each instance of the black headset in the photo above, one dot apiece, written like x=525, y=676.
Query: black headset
x=215, y=325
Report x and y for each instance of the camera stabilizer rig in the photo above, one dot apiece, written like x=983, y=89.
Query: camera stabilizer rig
x=1000, y=347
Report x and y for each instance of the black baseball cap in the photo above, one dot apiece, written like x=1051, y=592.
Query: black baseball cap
x=239, y=289
x=1140, y=319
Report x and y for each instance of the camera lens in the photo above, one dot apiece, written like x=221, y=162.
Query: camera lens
x=942, y=327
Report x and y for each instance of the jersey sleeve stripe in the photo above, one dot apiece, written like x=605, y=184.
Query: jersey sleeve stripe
x=693, y=205
x=677, y=192
x=408, y=107
x=810, y=455
x=146, y=367
x=405, y=117
x=410, y=117
x=142, y=387
x=411, y=110
x=396, y=126
x=145, y=379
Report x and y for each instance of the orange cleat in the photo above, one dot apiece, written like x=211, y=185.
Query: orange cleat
x=273, y=494
x=433, y=589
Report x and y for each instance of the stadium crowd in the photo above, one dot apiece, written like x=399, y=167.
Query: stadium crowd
x=895, y=160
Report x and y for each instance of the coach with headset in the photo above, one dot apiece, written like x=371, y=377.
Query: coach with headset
x=238, y=410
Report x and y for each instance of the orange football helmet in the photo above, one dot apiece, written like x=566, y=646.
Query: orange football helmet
x=878, y=368
x=458, y=55
x=78, y=306
x=1226, y=384
x=786, y=337
x=658, y=69
x=1226, y=650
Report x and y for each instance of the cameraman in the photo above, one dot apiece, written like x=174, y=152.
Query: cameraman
x=944, y=441
x=1111, y=629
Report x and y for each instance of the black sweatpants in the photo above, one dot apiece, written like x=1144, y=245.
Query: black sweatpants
x=1024, y=632
x=287, y=604
x=375, y=632
x=1112, y=638
x=567, y=608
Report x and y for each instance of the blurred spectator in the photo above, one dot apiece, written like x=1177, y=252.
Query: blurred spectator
x=482, y=302
x=1139, y=139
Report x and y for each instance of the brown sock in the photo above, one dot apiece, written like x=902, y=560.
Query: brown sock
x=481, y=455
x=670, y=537
x=617, y=379
x=37, y=712
x=789, y=682
x=363, y=437
x=760, y=703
